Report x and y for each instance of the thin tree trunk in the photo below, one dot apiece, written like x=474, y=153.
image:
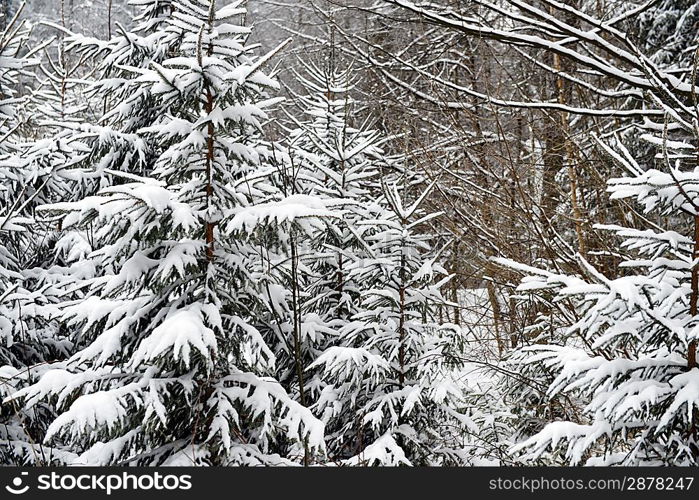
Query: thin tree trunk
x=570, y=154
x=692, y=347
x=497, y=316
x=209, y=107
x=109, y=20
x=401, y=319
x=296, y=309
x=209, y=226
x=455, y=285
x=694, y=297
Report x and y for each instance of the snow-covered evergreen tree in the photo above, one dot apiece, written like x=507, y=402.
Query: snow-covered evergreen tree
x=307, y=237
x=169, y=367
x=668, y=34
x=50, y=153
x=324, y=170
x=392, y=397
x=121, y=105
x=345, y=160
x=28, y=295
x=277, y=231
x=626, y=362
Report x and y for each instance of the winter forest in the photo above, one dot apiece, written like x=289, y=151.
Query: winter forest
x=349, y=232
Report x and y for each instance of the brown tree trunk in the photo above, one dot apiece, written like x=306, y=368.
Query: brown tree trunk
x=401, y=323
x=497, y=317
x=209, y=226
x=694, y=297
x=570, y=154
x=296, y=310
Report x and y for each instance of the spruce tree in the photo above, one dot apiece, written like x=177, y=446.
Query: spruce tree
x=28, y=295
x=169, y=366
x=392, y=396
x=626, y=361
x=324, y=169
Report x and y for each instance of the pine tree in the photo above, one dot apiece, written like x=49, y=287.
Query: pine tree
x=278, y=231
x=667, y=32
x=122, y=105
x=308, y=236
x=323, y=170
x=392, y=396
x=49, y=152
x=169, y=367
x=345, y=163
x=626, y=363
x=349, y=266
x=28, y=295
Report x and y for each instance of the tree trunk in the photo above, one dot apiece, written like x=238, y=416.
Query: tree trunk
x=209, y=226
x=694, y=297
x=570, y=155
x=109, y=20
x=401, y=318
x=296, y=311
